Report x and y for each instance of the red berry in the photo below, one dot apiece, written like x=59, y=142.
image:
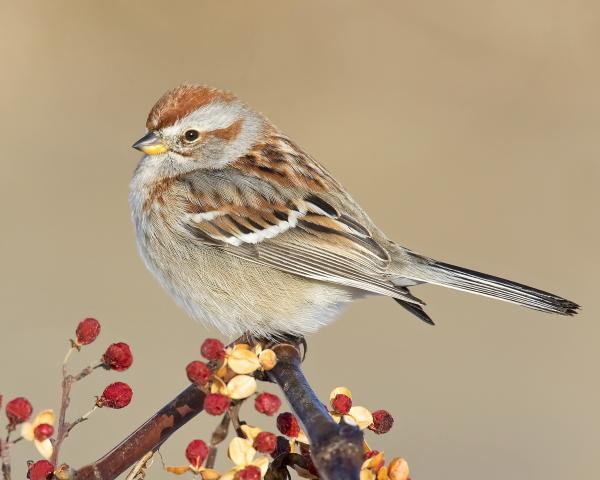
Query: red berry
x=267, y=403
x=288, y=425
x=87, y=331
x=341, y=403
x=43, y=431
x=265, y=442
x=40, y=470
x=118, y=357
x=216, y=404
x=382, y=422
x=18, y=410
x=212, y=349
x=198, y=372
x=196, y=452
x=251, y=472
x=116, y=395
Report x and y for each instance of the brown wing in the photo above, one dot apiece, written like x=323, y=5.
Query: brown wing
x=298, y=231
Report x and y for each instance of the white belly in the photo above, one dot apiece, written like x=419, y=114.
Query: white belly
x=232, y=294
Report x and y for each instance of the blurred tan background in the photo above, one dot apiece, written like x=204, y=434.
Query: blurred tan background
x=468, y=129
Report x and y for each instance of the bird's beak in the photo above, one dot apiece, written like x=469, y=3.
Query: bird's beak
x=150, y=144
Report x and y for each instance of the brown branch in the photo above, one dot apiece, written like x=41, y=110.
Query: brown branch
x=65, y=400
x=151, y=435
x=148, y=437
x=336, y=449
x=5, y=446
x=138, y=472
x=5, y=456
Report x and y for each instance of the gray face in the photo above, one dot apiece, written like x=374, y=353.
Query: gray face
x=211, y=136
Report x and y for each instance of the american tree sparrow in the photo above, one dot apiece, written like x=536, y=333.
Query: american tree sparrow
x=250, y=233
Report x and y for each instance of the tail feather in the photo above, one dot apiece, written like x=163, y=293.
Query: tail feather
x=444, y=274
x=416, y=310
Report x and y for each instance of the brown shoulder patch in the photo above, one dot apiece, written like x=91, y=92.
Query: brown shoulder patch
x=157, y=192
x=181, y=101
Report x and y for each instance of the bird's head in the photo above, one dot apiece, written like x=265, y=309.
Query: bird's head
x=195, y=126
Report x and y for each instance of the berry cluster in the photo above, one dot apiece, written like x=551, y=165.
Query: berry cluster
x=227, y=376
x=380, y=422
x=231, y=376
x=41, y=429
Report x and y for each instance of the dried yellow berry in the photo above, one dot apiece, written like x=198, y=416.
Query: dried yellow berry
x=268, y=359
x=241, y=386
x=398, y=469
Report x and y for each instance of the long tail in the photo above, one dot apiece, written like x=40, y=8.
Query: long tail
x=446, y=275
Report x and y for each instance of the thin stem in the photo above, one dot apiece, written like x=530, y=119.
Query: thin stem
x=67, y=356
x=5, y=455
x=234, y=413
x=218, y=436
x=65, y=399
x=86, y=371
x=79, y=420
x=64, y=427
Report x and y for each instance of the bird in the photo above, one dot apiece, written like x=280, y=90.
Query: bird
x=250, y=234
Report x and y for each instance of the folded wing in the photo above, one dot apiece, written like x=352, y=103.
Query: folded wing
x=299, y=232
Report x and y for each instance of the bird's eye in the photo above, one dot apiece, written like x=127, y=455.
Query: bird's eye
x=191, y=135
